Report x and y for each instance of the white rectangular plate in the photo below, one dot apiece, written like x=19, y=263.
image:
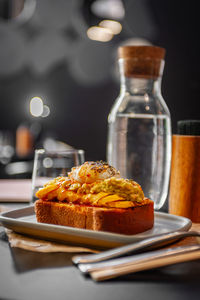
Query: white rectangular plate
x=24, y=221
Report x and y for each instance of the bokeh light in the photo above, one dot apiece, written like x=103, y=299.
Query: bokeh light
x=112, y=25
x=99, y=34
x=36, y=106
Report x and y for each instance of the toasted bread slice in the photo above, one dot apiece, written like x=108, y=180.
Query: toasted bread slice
x=118, y=220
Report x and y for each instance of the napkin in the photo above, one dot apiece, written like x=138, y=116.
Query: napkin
x=37, y=245
x=15, y=190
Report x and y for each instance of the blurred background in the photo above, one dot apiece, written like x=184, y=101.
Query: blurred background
x=59, y=75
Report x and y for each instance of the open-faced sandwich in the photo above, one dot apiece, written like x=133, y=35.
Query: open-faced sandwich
x=93, y=196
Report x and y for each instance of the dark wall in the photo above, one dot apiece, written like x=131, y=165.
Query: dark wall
x=178, y=24
x=80, y=103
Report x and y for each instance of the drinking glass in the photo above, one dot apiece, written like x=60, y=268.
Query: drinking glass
x=50, y=164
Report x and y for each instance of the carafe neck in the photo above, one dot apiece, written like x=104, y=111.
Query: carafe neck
x=140, y=86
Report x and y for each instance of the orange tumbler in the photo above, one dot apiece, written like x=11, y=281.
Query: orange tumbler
x=184, y=195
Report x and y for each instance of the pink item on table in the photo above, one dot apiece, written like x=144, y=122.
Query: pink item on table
x=15, y=190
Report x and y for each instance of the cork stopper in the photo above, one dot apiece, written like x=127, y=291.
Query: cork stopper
x=142, y=61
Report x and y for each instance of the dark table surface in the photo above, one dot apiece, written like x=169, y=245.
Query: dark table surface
x=30, y=275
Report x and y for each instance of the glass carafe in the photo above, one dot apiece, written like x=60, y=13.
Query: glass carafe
x=139, y=125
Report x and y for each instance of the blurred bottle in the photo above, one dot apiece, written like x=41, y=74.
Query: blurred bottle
x=6, y=146
x=139, y=133
x=184, y=197
x=24, y=141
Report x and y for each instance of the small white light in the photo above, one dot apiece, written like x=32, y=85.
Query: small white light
x=99, y=34
x=36, y=106
x=110, y=9
x=46, y=111
x=47, y=162
x=114, y=26
x=146, y=97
